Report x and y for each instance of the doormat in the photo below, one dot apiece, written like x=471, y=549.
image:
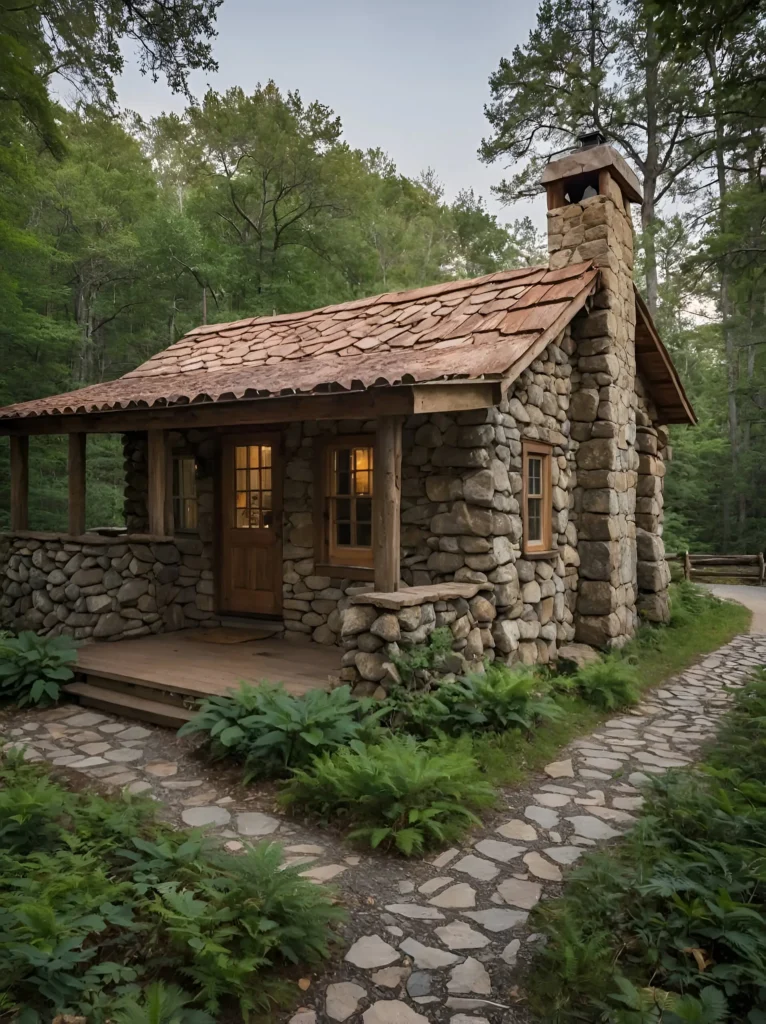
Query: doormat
x=230, y=635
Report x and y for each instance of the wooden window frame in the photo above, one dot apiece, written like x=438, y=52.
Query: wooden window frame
x=349, y=562
x=176, y=456
x=543, y=547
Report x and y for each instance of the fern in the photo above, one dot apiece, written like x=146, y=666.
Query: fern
x=397, y=793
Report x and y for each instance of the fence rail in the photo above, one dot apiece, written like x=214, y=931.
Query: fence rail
x=747, y=569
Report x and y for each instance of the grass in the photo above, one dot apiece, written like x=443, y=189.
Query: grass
x=658, y=653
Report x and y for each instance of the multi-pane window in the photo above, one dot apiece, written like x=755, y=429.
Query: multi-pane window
x=349, y=497
x=253, y=488
x=184, y=493
x=537, y=497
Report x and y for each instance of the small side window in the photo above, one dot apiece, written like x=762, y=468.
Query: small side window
x=349, y=490
x=184, y=493
x=537, y=505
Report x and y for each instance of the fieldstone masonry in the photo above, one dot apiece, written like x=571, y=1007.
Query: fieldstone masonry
x=105, y=588
x=603, y=413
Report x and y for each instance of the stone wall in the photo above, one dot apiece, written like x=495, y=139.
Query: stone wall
x=105, y=588
x=653, y=572
x=377, y=628
x=603, y=414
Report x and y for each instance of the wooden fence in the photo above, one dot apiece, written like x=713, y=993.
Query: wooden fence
x=746, y=569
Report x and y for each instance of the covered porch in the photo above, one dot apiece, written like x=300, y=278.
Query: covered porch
x=166, y=579
x=159, y=678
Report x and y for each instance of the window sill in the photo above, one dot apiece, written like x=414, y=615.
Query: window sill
x=532, y=555
x=346, y=572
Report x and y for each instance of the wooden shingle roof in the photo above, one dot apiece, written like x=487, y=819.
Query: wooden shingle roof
x=488, y=326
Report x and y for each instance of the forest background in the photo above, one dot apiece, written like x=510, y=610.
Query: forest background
x=118, y=235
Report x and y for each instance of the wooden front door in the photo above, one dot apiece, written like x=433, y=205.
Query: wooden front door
x=251, y=523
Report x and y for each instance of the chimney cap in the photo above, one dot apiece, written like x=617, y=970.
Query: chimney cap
x=595, y=158
x=590, y=137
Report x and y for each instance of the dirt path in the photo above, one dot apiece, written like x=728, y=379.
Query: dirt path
x=426, y=941
x=753, y=598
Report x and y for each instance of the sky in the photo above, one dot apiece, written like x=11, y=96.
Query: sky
x=409, y=78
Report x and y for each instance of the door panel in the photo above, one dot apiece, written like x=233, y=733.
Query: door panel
x=251, y=524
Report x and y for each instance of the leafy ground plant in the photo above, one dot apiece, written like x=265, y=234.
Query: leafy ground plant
x=32, y=668
x=610, y=683
x=272, y=731
x=671, y=925
x=99, y=899
x=395, y=793
x=423, y=659
x=496, y=700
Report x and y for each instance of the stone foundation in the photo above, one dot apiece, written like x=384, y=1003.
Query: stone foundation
x=104, y=588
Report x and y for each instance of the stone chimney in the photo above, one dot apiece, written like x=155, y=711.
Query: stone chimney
x=589, y=195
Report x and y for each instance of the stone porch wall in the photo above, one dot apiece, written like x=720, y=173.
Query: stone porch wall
x=377, y=628
x=105, y=588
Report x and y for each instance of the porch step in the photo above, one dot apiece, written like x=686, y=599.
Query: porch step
x=148, y=690
x=118, y=702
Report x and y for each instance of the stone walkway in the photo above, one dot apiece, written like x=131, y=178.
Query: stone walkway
x=438, y=940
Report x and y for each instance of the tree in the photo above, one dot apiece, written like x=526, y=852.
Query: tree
x=81, y=43
x=584, y=67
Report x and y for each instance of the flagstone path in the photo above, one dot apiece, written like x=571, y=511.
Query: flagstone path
x=438, y=940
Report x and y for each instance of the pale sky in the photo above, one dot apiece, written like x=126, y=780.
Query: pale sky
x=410, y=78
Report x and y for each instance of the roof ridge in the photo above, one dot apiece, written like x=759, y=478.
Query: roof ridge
x=382, y=298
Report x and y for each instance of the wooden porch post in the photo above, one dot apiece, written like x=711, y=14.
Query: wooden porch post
x=157, y=457
x=387, y=492
x=19, y=482
x=77, y=484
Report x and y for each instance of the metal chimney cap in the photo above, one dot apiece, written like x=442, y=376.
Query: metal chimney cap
x=589, y=138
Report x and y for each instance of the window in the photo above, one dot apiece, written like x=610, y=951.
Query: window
x=252, y=486
x=184, y=492
x=537, y=498
x=349, y=500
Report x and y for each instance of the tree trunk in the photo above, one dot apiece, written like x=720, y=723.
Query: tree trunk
x=651, y=168
x=730, y=346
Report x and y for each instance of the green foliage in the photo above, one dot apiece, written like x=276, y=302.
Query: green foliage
x=396, y=792
x=32, y=668
x=159, y=1004
x=498, y=699
x=688, y=601
x=610, y=683
x=424, y=658
x=273, y=731
x=679, y=906
x=100, y=899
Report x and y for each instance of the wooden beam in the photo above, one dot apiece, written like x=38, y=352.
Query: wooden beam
x=386, y=514
x=19, y=483
x=456, y=397
x=157, y=459
x=371, y=404
x=77, y=484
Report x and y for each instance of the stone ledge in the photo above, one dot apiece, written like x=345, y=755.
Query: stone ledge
x=88, y=538
x=429, y=594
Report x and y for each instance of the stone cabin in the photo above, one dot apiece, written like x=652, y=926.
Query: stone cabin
x=483, y=454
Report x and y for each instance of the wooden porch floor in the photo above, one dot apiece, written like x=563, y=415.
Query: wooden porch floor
x=183, y=663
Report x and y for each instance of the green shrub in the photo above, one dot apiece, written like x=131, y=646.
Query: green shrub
x=498, y=699
x=159, y=1004
x=671, y=924
x=99, y=899
x=612, y=682
x=687, y=602
x=32, y=668
x=272, y=731
x=396, y=792
x=424, y=658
